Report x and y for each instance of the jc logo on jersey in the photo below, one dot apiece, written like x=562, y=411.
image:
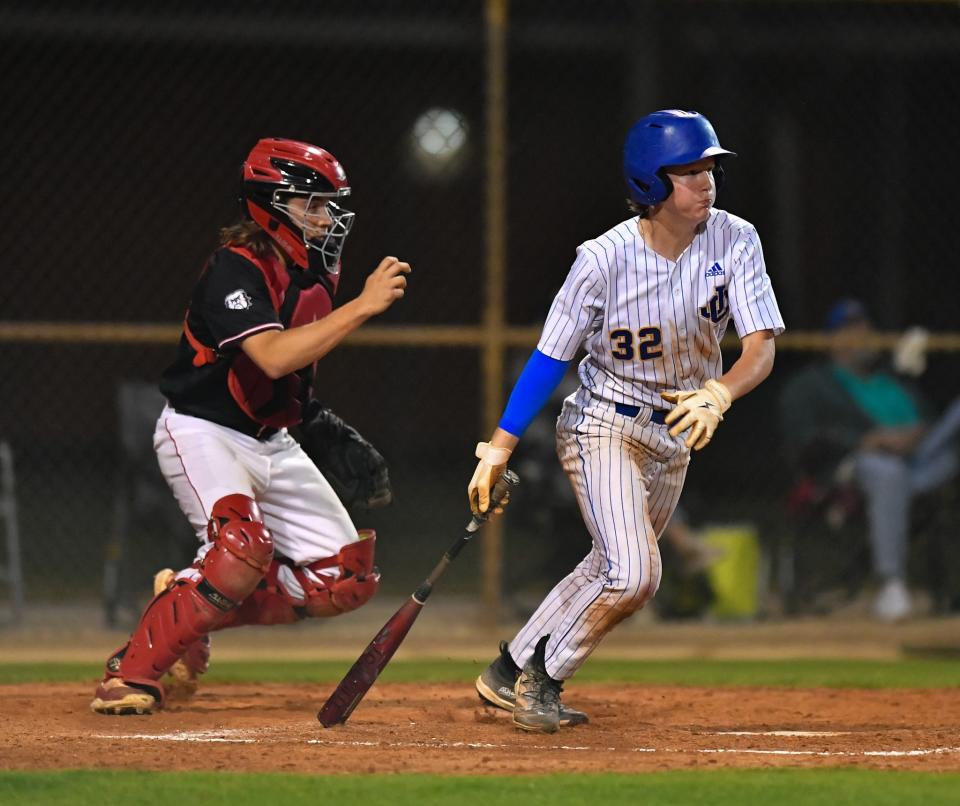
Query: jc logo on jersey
x=717, y=307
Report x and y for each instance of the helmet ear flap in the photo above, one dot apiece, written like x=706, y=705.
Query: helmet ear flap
x=666, y=186
x=651, y=189
x=637, y=187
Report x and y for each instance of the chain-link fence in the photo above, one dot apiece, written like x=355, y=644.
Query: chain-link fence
x=124, y=129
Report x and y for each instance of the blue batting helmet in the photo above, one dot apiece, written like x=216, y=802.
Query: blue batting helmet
x=667, y=137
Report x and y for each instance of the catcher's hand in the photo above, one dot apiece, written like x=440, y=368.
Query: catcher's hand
x=700, y=411
x=354, y=468
x=493, y=461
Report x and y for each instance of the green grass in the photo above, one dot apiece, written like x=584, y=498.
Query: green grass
x=834, y=787
x=913, y=673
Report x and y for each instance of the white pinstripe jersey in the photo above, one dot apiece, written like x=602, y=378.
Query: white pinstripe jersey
x=650, y=324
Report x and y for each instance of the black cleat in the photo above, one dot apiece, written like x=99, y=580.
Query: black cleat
x=538, y=695
x=496, y=687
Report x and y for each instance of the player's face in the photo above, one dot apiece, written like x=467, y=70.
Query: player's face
x=322, y=221
x=310, y=214
x=694, y=190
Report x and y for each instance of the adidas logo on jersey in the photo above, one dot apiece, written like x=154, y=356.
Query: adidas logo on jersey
x=716, y=270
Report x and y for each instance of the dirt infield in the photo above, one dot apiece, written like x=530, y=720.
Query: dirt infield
x=444, y=729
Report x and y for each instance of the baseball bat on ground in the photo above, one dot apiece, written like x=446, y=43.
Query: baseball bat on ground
x=364, y=672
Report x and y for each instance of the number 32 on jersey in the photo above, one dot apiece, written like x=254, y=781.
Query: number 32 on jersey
x=646, y=345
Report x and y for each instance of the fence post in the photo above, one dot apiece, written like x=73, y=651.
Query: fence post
x=494, y=346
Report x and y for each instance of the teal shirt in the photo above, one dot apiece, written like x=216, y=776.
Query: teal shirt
x=881, y=398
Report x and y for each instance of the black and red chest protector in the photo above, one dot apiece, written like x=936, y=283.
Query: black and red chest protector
x=299, y=299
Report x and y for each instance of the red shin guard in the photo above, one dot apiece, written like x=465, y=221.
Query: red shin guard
x=177, y=617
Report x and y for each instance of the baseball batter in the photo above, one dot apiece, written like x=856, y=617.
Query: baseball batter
x=649, y=301
x=277, y=544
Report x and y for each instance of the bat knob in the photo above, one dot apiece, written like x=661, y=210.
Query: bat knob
x=508, y=479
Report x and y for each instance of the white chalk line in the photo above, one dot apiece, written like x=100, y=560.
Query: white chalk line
x=438, y=744
x=848, y=753
x=229, y=736
x=801, y=733
x=243, y=737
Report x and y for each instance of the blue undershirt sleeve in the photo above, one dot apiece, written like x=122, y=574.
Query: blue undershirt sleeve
x=540, y=377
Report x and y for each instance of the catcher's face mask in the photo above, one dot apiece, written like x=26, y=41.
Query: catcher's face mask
x=322, y=221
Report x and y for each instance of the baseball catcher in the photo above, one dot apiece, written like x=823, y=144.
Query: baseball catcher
x=277, y=543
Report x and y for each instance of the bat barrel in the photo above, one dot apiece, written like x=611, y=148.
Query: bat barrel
x=364, y=673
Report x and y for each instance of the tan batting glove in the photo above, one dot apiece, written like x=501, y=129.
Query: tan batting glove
x=493, y=461
x=700, y=411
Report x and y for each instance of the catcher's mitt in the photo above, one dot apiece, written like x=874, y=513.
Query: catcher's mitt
x=354, y=468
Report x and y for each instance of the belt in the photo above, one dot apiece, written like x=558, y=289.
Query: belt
x=252, y=429
x=627, y=410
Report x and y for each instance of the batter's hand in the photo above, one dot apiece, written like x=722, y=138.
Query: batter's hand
x=700, y=411
x=385, y=285
x=493, y=461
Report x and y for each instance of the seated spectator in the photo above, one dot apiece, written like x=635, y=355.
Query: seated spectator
x=851, y=418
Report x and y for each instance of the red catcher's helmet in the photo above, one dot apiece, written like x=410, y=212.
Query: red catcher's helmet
x=276, y=171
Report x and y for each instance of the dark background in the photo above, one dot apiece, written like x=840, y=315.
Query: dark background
x=125, y=124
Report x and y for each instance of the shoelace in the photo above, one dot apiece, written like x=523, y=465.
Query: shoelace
x=547, y=689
